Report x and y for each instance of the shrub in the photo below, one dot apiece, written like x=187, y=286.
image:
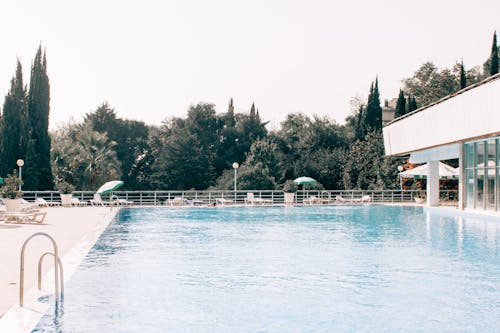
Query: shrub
x=64, y=187
x=290, y=186
x=10, y=188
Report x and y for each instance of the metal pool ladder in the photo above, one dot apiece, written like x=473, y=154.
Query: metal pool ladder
x=57, y=269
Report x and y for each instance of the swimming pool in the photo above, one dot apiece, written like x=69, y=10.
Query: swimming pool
x=286, y=269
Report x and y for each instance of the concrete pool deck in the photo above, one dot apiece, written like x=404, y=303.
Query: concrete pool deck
x=74, y=229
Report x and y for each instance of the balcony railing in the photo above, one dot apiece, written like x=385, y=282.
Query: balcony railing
x=158, y=198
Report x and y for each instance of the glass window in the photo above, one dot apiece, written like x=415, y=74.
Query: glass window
x=480, y=154
x=490, y=189
x=491, y=156
x=498, y=189
x=480, y=189
x=498, y=152
x=469, y=155
x=469, y=188
x=482, y=174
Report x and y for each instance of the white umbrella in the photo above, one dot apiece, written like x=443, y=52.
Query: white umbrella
x=109, y=186
x=421, y=172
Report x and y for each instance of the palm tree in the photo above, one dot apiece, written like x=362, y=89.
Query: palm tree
x=85, y=158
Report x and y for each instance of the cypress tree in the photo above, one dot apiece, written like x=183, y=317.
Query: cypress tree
x=230, y=120
x=401, y=105
x=39, y=172
x=494, y=56
x=412, y=104
x=14, y=124
x=252, y=111
x=463, y=78
x=373, y=111
x=359, y=125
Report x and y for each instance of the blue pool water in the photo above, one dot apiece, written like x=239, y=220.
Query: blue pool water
x=286, y=269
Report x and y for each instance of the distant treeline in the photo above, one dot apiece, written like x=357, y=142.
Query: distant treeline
x=197, y=151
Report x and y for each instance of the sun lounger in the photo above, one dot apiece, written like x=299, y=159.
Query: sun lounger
x=251, y=199
x=41, y=202
x=77, y=202
x=312, y=200
x=97, y=201
x=339, y=199
x=366, y=198
x=177, y=201
x=224, y=201
x=124, y=202
x=34, y=217
x=121, y=202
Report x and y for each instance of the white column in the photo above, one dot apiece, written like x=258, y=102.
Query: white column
x=433, y=183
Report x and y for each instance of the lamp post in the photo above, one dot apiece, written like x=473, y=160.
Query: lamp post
x=400, y=169
x=20, y=164
x=235, y=167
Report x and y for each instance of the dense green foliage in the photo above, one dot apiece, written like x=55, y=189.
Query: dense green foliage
x=131, y=142
x=84, y=157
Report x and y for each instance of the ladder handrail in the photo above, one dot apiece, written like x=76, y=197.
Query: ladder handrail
x=56, y=266
x=61, y=271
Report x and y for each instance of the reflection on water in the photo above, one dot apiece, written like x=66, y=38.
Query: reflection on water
x=286, y=269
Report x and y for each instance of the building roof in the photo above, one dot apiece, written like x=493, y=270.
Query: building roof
x=461, y=91
x=469, y=114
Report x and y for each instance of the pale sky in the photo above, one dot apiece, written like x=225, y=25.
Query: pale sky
x=152, y=59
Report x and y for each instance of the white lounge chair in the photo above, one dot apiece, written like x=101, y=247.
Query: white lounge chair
x=177, y=201
x=22, y=217
x=77, y=202
x=97, y=201
x=41, y=202
x=312, y=200
x=121, y=202
x=224, y=201
x=366, y=198
x=251, y=199
x=339, y=199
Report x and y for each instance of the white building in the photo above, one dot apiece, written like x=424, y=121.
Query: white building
x=465, y=125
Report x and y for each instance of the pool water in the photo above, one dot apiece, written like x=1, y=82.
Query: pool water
x=286, y=269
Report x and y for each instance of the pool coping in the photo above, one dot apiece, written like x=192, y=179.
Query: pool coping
x=24, y=319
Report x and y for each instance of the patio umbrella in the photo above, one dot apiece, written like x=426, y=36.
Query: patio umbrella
x=109, y=186
x=305, y=181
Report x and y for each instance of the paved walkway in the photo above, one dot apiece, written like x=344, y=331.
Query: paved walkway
x=68, y=226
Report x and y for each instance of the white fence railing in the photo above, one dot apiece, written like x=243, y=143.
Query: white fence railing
x=156, y=198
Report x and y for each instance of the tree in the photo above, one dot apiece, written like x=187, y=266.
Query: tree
x=373, y=112
x=463, y=77
x=412, y=104
x=131, y=137
x=428, y=84
x=251, y=128
x=180, y=161
x=266, y=153
x=494, y=56
x=84, y=157
x=38, y=166
x=14, y=127
x=256, y=177
x=363, y=166
x=400, y=105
